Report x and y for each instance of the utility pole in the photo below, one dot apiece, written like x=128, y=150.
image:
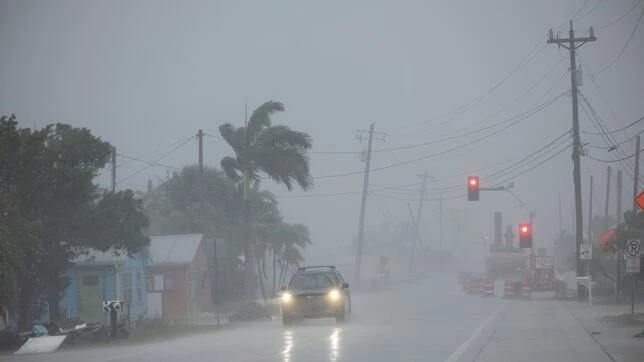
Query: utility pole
x=113, y=169
x=363, y=206
x=200, y=139
x=440, y=221
x=618, y=198
x=572, y=44
x=420, y=210
x=590, y=211
x=636, y=177
x=608, y=173
x=618, y=275
x=560, y=218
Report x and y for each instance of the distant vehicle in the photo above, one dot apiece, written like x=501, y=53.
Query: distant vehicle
x=316, y=292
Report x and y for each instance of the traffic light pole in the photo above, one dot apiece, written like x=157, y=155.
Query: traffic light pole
x=572, y=44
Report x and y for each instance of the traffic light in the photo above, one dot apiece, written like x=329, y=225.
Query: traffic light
x=525, y=236
x=473, y=188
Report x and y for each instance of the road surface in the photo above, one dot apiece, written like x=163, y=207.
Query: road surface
x=432, y=321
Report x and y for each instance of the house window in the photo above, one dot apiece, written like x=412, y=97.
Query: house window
x=168, y=284
x=90, y=279
x=127, y=287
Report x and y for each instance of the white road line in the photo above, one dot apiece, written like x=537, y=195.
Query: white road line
x=465, y=345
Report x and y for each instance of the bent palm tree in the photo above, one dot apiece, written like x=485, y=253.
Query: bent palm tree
x=276, y=151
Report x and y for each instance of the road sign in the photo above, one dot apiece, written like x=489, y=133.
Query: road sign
x=633, y=265
x=633, y=247
x=586, y=252
x=639, y=200
x=112, y=305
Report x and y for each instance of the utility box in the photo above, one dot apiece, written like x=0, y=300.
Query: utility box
x=579, y=77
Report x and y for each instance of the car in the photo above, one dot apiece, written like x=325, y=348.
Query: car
x=316, y=292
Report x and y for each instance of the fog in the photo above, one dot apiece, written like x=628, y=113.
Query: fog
x=454, y=89
x=145, y=74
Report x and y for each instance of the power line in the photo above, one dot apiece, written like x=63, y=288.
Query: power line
x=580, y=9
x=155, y=162
x=465, y=107
x=492, y=134
x=612, y=147
x=625, y=45
x=148, y=162
x=615, y=130
x=138, y=158
x=617, y=160
x=590, y=11
x=621, y=17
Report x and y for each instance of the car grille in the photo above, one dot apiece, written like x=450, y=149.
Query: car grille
x=311, y=304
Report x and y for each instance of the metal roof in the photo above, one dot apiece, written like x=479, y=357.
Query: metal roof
x=174, y=249
x=95, y=257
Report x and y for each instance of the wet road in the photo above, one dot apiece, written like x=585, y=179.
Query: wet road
x=432, y=321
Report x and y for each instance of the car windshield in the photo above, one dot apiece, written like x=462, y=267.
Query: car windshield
x=312, y=281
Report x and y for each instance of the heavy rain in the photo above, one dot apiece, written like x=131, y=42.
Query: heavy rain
x=321, y=181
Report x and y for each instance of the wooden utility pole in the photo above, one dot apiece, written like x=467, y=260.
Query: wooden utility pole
x=618, y=197
x=200, y=139
x=113, y=162
x=635, y=189
x=572, y=44
x=608, y=174
x=590, y=211
x=363, y=207
x=421, y=201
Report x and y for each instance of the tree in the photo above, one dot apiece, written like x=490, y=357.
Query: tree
x=53, y=210
x=260, y=147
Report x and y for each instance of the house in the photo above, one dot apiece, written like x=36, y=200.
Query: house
x=178, y=278
x=100, y=276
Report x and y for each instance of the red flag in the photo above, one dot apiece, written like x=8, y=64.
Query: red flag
x=605, y=236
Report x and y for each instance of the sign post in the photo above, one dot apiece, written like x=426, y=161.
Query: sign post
x=633, y=266
x=114, y=307
x=586, y=253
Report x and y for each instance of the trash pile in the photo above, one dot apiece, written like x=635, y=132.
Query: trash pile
x=43, y=338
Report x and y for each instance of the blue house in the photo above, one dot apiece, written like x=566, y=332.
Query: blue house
x=102, y=276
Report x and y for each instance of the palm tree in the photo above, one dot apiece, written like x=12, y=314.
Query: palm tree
x=276, y=151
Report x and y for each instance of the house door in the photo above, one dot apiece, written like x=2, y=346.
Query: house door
x=90, y=293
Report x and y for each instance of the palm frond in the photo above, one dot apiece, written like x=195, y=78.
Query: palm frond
x=235, y=137
x=231, y=167
x=261, y=118
x=281, y=136
x=284, y=165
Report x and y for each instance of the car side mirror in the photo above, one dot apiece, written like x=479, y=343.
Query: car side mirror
x=283, y=289
x=345, y=285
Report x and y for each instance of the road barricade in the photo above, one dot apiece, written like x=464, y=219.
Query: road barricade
x=488, y=288
x=526, y=292
x=508, y=289
x=475, y=286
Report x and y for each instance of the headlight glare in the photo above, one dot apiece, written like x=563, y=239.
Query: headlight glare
x=334, y=295
x=287, y=297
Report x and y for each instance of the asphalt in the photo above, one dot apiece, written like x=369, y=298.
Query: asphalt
x=431, y=321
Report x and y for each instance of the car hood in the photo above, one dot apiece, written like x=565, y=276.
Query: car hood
x=304, y=292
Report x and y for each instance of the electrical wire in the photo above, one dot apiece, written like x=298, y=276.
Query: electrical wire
x=137, y=158
x=465, y=107
x=616, y=145
x=607, y=136
x=580, y=9
x=148, y=162
x=155, y=161
x=637, y=2
x=589, y=11
x=492, y=134
x=612, y=161
x=625, y=45
x=615, y=130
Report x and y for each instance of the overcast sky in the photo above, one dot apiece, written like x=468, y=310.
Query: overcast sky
x=145, y=75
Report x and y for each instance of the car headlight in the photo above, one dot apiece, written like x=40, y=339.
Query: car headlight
x=334, y=295
x=287, y=297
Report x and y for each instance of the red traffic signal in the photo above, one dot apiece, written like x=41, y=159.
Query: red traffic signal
x=473, y=188
x=525, y=236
